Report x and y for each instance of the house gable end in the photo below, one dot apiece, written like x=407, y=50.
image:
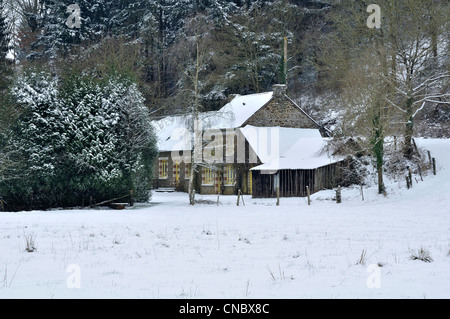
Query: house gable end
x=281, y=112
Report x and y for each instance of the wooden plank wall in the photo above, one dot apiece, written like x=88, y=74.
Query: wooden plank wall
x=293, y=182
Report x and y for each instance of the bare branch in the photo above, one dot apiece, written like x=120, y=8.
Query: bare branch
x=432, y=80
x=439, y=102
x=419, y=109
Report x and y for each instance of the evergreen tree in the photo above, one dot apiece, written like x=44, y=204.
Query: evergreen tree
x=78, y=138
x=8, y=113
x=57, y=39
x=5, y=40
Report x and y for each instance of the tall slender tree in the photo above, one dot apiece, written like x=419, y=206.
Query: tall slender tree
x=5, y=47
x=7, y=112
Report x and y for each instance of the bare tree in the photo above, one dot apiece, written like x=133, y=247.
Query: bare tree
x=417, y=33
x=192, y=59
x=385, y=76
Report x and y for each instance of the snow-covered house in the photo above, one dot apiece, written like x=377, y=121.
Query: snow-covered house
x=242, y=145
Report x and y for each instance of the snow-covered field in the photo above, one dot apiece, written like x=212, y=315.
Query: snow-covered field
x=167, y=249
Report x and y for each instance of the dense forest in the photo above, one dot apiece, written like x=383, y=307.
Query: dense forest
x=155, y=57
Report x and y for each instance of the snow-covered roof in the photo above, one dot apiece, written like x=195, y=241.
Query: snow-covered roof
x=276, y=147
x=269, y=143
x=293, y=149
x=172, y=134
x=239, y=110
x=172, y=131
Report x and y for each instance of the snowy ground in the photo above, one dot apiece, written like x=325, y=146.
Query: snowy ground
x=169, y=250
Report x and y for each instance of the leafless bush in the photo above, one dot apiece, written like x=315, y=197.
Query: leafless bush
x=397, y=165
x=362, y=259
x=30, y=243
x=423, y=255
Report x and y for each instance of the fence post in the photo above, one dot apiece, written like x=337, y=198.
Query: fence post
x=410, y=176
x=309, y=194
x=278, y=195
x=131, y=198
x=238, y=199
x=415, y=147
x=338, y=195
x=434, y=166
x=430, y=165
x=420, y=171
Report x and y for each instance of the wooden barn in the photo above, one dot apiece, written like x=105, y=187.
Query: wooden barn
x=293, y=182
x=308, y=162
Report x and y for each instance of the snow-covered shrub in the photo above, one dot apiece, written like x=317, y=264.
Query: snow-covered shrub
x=80, y=138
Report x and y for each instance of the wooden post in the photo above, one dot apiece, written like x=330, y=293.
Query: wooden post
x=434, y=166
x=238, y=199
x=410, y=176
x=131, y=198
x=420, y=171
x=242, y=197
x=309, y=194
x=415, y=146
x=362, y=193
x=338, y=195
x=218, y=194
x=2, y=205
x=407, y=182
x=430, y=166
x=278, y=195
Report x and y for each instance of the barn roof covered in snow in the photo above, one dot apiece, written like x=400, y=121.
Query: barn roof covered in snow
x=290, y=148
x=269, y=143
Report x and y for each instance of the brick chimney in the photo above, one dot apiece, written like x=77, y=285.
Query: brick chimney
x=279, y=90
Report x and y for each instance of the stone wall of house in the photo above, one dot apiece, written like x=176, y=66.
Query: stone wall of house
x=280, y=111
x=177, y=176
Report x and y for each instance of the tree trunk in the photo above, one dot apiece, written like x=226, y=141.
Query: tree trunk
x=191, y=185
x=378, y=150
x=381, y=187
x=409, y=130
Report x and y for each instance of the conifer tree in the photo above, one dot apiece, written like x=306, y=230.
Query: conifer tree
x=5, y=40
